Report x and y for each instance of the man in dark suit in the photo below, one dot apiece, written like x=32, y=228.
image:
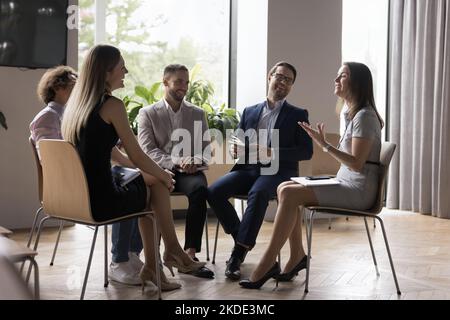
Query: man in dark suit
x=286, y=144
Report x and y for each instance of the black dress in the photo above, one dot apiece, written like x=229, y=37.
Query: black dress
x=108, y=199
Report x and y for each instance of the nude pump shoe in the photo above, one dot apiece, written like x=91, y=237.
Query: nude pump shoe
x=148, y=275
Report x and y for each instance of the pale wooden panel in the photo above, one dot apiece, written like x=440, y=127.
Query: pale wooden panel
x=65, y=186
x=4, y=231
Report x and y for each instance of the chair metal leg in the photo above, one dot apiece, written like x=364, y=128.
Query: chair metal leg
x=371, y=247
x=309, y=236
x=36, y=243
x=88, y=268
x=389, y=254
x=158, y=267
x=33, y=227
x=106, y=281
x=206, y=237
x=30, y=236
x=36, y=277
x=374, y=225
x=329, y=223
x=61, y=225
x=215, y=243
x=305, y=222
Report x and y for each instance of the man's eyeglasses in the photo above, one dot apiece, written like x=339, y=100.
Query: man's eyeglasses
x=281, y=77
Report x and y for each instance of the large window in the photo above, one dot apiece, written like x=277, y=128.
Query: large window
x=154, y=33
x=365, y=39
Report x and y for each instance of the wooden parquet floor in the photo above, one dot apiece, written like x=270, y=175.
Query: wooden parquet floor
x=341, y=267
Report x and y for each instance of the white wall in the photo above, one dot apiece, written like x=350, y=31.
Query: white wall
x=307, y=33
x=19, y=103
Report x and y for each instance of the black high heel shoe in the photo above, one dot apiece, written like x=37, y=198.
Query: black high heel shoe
x=284, y=277
x=275, y=270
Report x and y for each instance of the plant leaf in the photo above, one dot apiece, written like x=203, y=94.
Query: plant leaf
x=154, y=92
x=3, y=121
x=143, y=93
x=194, y=71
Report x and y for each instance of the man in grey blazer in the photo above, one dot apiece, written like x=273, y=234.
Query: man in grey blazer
x=174, y=133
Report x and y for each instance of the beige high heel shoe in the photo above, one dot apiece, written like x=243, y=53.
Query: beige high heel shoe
x=148, y=275
x=171, y=260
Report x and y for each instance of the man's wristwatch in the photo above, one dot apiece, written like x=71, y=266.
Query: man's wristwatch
x=326, y=147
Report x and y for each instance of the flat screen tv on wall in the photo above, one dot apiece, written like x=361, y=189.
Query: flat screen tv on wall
x=33, y=33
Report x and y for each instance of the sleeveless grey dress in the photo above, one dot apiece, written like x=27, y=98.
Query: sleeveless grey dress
x=357, y=190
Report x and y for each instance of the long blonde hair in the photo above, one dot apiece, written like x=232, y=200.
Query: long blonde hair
x=89, y=89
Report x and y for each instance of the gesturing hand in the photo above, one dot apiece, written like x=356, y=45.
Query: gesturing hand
x=317, y=135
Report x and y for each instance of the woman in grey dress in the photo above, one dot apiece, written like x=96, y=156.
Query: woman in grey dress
x=358, y=153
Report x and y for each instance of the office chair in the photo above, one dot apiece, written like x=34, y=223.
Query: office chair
x=39, y=210
x=12, y=286
x=387, y=151
x=66, y=197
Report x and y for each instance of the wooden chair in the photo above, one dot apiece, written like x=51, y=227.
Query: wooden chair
x=322, y=163
x=39, y=210
x=12, y=286
x=5, y=232
x=177, y=194
x=66, y=197
x=17, y=253
x=387, y=151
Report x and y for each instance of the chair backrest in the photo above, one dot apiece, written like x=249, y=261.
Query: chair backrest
x=386, y=154
x=66, y=193
x=38, y=166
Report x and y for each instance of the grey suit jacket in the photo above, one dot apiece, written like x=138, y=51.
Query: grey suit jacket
x=155, y=134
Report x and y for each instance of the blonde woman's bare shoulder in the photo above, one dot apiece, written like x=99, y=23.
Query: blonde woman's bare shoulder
x=114, y=101
x=111, y=108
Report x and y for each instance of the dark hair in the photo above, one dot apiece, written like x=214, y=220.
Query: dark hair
x=53, y=79
x=361, y=87
x=283, y=64
x=172, y=68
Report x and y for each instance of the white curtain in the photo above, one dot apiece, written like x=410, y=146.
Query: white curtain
x=419, y=106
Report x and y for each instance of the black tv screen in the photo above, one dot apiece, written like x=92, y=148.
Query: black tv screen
x=33, y=33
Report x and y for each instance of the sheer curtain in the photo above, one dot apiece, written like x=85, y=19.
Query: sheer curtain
x=419, y=106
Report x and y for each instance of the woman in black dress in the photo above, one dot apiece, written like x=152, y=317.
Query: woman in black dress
x=93, y=122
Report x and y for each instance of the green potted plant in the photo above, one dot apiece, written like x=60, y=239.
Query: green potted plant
x=143, y=96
